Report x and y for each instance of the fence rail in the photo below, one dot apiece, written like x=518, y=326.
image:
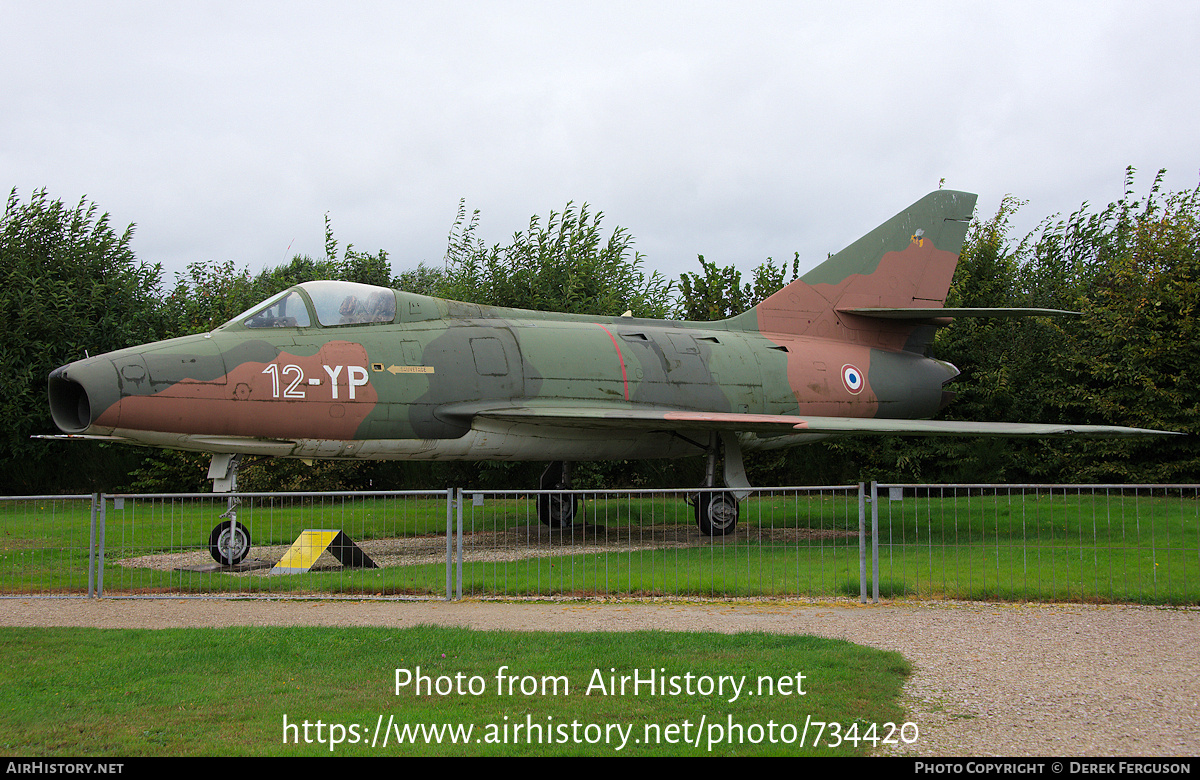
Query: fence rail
x=1108, y=543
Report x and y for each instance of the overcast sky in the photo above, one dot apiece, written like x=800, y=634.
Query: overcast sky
x=227, y=130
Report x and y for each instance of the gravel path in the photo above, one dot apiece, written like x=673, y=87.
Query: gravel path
x=989, y=679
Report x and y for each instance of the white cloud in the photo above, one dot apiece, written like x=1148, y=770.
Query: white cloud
x=227, y=130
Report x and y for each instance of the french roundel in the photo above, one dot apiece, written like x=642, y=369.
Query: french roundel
x=852, y=378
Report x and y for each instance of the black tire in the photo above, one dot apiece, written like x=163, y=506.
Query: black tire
x=218, y=544
x=716, y=513
x=557, y=510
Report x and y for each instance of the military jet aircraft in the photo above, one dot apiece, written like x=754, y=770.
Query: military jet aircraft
x=331, y=369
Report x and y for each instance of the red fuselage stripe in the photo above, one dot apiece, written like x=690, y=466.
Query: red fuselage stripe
x=620, y=357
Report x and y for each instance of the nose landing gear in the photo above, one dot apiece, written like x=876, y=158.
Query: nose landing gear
x=229, y=542
x=229, y=548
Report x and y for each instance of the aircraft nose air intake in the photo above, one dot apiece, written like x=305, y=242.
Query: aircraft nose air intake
x=80, y=392
x=69, y=405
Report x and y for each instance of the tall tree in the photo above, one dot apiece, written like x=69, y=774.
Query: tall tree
x=69, y=286
x=717, y=293
x=210, y=293
x=1132, y=359
x=563, y=264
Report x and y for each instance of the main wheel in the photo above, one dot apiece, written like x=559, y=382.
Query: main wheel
x=557, y=510
x=229, y=549
x=716, y=513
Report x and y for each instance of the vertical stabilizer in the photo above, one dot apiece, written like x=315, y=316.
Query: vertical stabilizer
x=907, y=262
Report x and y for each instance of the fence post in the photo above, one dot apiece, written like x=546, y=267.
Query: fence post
x=862, y=543
x=461, y=497
x=450, y=497
x=875, y=541
x=92, y=550
x=100, y=549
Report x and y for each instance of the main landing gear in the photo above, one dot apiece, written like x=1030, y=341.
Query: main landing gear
x=229, y=542
x=716, y=513
x=557, y=510
x=717, y=510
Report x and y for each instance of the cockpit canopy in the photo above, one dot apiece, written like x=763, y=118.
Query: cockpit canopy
x=328, y=303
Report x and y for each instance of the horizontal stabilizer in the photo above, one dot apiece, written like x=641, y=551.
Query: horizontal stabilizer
x=926, y=314
x=851, y=425
x=83, y=437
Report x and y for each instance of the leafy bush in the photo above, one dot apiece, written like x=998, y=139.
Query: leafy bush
x=69, y=286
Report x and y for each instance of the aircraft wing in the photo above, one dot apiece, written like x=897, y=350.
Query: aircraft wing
x=630, y=417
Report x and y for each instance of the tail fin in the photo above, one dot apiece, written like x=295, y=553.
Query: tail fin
x=905, y=263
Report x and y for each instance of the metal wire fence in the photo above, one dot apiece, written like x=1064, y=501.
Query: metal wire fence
x=1121, y=543
x=1116, y=543
x=45, y=545
x=161, y=544
x=788, y=541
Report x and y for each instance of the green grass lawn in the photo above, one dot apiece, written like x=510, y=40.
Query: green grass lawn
x=1045, y=545
x=249, y=692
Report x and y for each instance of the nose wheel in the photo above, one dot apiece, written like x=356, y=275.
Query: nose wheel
x=229, y=547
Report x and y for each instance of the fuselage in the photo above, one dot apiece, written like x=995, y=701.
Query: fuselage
x=333, y=370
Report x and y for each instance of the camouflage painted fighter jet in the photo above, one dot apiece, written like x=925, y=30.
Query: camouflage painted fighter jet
x=340, y=370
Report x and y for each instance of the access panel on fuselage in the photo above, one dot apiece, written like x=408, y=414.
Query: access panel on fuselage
x=689, y=369
x=573, y=362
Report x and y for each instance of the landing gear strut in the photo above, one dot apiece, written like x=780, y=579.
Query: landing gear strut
x=557, y=510
x=229, y=542
x=717, y=511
